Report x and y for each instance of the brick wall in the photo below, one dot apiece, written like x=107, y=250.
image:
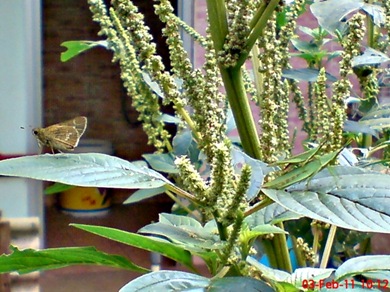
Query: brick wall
x=89, y=84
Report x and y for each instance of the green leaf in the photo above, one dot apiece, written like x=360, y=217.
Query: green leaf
x=169, y=119
x=178, y=220
x=57, y=188
x=258, y=169
x=189, y=237
x=272, y=214
x=182, y=281
x=370, y=57
x=267, y=272
x=167, y=249
x=348, y=197
x=144, y=194
x=167, y=281
x=305, y=74
x=75, y=48
x=28, y=260
x=303, y=274
x=377, y=13
x=184, y=144
x=330, y=13
x=185, y=231
x=163, y=162
x=363, y=264
x=358, y=127
x=152, y=84
x=86, y=169
x=305, y=47
x=234, y=284
x=378, y=118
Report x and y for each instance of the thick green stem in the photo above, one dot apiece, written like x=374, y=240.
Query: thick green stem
x=242, y=113
x=216, y=11
x=283, y=256
x=238, y=100
x=258, y=29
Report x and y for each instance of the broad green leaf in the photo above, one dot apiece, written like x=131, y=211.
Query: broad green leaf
x=284, y=287
x=330, y=13
x=167, y=249
x=381, y=275
x=370, y=57
x=189, y=237
x=269, y=273
x=181, y=142
x=75, y=48
x=303, y=46
x=348, y=287
x=303, y=274
x=167, y=281
x=362, y=264
x=184, y=144
x=258, y=169
x=163, y=162
x=144, y=194
x=86, y=170
x=178, y=220
x=359, y=127
x=29, y=260
x=347, y=197
x=234, y=284
x=378, y=118
x=377, y=13
x=272, y=214
x=182, y=281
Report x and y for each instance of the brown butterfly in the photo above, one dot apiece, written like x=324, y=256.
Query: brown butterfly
x=62, y=136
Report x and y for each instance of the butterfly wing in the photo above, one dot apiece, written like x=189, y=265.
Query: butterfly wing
x=66, y=135
x=79, y=123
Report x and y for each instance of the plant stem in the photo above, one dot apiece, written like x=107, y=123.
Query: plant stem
x=259, y=83
x=238, y=100
x=262, y=204
x=216, y=11
x=177, y=201
x=298, y=253
x=186, y=117
x=328, y=246
x=262, y=16
x=316, y=239
x=283, y=255
x=182, y=193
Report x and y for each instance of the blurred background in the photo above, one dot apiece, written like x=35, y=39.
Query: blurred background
x=37, y=89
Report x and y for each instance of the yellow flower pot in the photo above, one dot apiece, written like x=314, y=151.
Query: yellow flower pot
x=85, y=201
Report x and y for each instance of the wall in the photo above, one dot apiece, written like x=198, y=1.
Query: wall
x=20, y=101
x=90, y=84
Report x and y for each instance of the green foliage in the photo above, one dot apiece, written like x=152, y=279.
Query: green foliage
x=29, y=260
x=239, y=194
x=75, y=48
